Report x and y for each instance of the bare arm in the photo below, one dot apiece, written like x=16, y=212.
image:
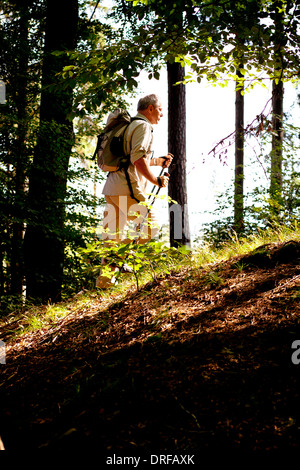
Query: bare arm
x=143, y=167
x=164, y=162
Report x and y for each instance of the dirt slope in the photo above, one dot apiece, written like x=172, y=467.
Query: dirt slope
x=200, y=360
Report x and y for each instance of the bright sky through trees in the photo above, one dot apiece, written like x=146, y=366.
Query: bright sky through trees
x=210, y=118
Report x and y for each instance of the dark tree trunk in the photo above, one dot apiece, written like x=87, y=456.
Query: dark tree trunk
x=20, y=156
x=179, y=221
x=44, y=238
x=239, y=159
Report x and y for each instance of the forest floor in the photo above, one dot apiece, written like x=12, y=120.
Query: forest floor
x=198, y=360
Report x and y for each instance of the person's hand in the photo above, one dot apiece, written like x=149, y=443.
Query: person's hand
x=167, y=160
x=163, y=181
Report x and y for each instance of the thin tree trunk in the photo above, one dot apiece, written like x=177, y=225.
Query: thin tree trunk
x=277, y=110
x=179, y=221
x=277, y=140
x=239, y=158
x=20, y=159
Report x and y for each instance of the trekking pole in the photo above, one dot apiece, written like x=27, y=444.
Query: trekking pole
x=153, y=189
x=149, y=206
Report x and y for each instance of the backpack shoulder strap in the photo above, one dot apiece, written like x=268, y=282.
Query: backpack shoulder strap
x=125, y=167
x=99, y=140
x=136, y=118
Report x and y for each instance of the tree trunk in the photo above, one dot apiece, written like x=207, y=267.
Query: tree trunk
x=20, y=157
x=179, y=221
x=239, y=158
x=277, y=110
x=44, y=238
x=277, y=140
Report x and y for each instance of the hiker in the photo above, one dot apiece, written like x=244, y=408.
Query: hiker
x=122, y=202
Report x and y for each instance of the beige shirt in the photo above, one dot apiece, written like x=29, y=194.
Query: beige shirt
x=138, y=143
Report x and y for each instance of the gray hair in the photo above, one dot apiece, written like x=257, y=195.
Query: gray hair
x=146, y=101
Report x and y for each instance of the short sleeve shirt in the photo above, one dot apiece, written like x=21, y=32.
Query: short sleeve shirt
x=138, y=143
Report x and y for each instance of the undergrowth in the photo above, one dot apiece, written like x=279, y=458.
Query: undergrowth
x=155, y=262
x=235, y=246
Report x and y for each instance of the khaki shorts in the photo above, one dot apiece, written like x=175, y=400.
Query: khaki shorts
x=126, y=220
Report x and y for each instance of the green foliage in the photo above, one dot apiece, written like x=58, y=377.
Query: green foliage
x=146, y=260
x=211, y=37
x=19, y=66
x=261, y=211
x=22, y=42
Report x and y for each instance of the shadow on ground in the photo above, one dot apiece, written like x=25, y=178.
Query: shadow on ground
x=189, y=364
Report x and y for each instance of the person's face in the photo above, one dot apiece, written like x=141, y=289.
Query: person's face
x=155, y=113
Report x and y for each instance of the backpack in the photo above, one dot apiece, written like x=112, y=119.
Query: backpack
x=110, y=150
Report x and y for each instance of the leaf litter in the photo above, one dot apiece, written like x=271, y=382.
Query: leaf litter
x=196, y=360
